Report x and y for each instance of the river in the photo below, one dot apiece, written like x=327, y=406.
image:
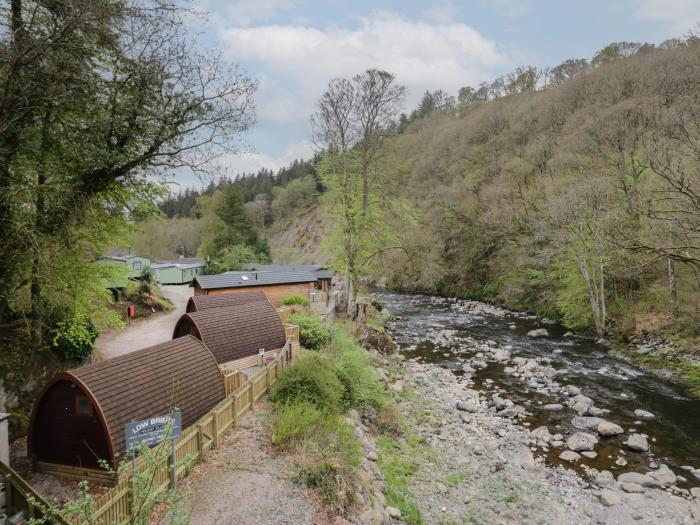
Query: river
x=613, y=384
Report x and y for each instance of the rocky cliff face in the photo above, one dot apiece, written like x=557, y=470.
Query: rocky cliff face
x=299, y=240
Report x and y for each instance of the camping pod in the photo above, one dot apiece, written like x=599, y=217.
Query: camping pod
x=235, y=332
x=198, y=303
x=79, y=417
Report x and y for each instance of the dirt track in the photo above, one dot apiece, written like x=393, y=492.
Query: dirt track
x=145, y=332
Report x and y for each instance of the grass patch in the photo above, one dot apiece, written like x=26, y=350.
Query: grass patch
x=398, y=464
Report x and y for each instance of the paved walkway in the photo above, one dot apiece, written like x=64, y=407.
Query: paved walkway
x=145, y=332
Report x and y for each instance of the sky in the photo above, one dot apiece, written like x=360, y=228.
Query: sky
x=295, y=47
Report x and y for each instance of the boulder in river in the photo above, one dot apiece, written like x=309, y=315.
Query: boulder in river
x=581, y=441
x=604, y=478
x=643, y=414
x=637, y=478
x=569, y=455
x=553, y=407
x=538, y=332
x=637, y=442
x=664, y=476
x=586, y=423
x=542, y=433
x=606, y=428
x=569, y=334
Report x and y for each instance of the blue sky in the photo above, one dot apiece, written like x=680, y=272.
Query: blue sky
x=294, y=47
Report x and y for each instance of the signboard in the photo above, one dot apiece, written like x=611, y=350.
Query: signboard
x=152, y=431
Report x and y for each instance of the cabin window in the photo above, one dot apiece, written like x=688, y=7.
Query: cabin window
x=83, y=407
x=137, y=265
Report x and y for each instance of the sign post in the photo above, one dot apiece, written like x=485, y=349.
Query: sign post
x=153, y=431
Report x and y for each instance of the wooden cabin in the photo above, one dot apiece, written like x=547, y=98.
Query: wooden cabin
x=275, y=285
x=200, y=303
x=80, y=415
x=235, y=332
x=323, y=275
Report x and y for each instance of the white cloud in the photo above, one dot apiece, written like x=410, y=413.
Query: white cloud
x=252, y=162
x=300, y=61
x=681, y=14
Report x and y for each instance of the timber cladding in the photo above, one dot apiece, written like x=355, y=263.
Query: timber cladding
x=234, y=332
x=79, y=416
x=274, y=292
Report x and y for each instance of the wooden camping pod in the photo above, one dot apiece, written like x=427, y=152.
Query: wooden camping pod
x=234, y=332
x=79, y=417
x=199, y=303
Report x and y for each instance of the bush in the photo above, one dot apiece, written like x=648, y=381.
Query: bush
x=355, y=372
x=295, y=421
x=313, y=334
x=74, y=338
x=311, y=379
x=295, y=299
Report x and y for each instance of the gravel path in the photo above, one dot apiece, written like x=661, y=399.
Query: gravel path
x=145, y=332
x=243, y=482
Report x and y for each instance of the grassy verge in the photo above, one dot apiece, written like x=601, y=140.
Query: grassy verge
x=312, y=401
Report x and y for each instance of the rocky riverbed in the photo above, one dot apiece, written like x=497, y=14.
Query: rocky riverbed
x=516, y=440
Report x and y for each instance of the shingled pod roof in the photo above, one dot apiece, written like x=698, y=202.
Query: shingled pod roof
x=199, y=303
x=233, y=332
x=80, y=414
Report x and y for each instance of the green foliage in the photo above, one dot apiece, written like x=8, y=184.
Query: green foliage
x=397, y=466
x=295, y=421
x=356, y=373
x=313, y=334
x=295, y=299
x=234, y=257
x=571, y=295
x=147, y=281
x=74, y=338
x=311, y=379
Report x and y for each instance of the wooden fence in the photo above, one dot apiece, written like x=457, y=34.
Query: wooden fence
x=114, y=507
x=20, y=497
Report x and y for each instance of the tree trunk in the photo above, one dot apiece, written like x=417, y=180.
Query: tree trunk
x=672, y=287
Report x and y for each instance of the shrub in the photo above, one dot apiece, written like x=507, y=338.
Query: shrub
x=313, y=334
x=355, y=372
x=311, y=379
x=295, y=299
x=295, y=421
x=74, y=338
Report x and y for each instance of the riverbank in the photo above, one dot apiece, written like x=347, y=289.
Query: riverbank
x=479, y=466
x=535, y=429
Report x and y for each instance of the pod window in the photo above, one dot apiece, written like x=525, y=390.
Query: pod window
x=83, y=407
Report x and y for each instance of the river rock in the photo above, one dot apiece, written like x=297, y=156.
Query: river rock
x=590, y=454
x=581, y=441
x=393, y=512
x=632, y=488
x=467, y=406
x=606, y=428
x=580, y=398
x=512, y=411
x=538, y=332
x=636, y=478
x=609, y=498
x=643, y=414
x=522, y=456
x=381, y=374
x=553, y=407
x=586, y=423
x=573, y=390
x=597, y=412
x=569, y=455
x=604, y=478
x=542, y=433
x=501, y=354
x=637, y=442
x=569, y=334
x=664, y=476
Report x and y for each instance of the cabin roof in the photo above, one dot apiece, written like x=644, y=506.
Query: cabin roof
x=319, y=270
x=198, y=303
x=253, y=278
x=181, y=374
x=237, y=331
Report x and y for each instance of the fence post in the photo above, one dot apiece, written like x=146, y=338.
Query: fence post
x=251, y=388
x=234, y=416
x=200, y=442
x=215, y=428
